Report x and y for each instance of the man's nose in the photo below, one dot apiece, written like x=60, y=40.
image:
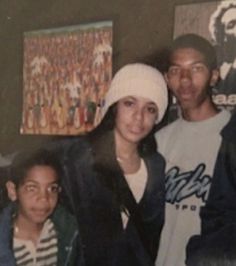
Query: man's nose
x=185, y=74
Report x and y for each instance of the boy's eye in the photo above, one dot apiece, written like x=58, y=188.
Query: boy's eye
x=31, y=188
x=35, y=190
x=54, y=189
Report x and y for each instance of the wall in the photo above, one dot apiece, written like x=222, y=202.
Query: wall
x=141, y=27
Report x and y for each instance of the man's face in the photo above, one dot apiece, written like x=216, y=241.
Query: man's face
x=229, y=22
x=189, y=78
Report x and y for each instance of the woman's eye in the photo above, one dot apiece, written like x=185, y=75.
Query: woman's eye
x=128, y=103
x=152, y=110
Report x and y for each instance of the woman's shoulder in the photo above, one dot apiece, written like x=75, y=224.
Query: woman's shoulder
x=155, y=159
x=77, y=154
x=62, y=216
x=68, y=146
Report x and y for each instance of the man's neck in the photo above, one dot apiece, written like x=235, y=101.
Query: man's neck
x=200, y=113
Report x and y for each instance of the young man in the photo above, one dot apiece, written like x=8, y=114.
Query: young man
x=190, y=144
x=33, y=228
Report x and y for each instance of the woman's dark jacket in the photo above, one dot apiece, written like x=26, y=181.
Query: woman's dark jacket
x=218, y=231
x=70, y=252
x=97, y=191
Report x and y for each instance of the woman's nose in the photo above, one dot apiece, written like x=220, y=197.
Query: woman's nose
x=138, y=114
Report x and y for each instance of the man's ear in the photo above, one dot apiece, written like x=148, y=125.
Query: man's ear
x=215, y=75
x=11, y=190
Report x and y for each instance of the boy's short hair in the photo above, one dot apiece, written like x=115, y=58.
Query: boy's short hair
x=197, y=43
x=26, y=160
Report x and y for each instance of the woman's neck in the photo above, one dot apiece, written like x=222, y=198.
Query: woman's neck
x=127, y=155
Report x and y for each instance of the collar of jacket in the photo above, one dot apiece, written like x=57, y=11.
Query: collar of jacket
x=103, y=147
x=105, y=163
x=110, y=173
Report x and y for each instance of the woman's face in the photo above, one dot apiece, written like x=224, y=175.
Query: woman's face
x=135, y=118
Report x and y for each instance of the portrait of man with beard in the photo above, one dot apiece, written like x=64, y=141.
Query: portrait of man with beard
x=222, y=27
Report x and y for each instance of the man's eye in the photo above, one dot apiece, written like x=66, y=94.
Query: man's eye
x=174, y=70
x=231, y=25
x=197, y=68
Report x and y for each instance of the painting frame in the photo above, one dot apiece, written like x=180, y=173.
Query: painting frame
x=66, y=73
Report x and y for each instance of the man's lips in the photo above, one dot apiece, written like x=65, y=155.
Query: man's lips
x=186, y=93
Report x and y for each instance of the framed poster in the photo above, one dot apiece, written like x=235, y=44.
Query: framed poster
x=216, y=21
x=66, y=73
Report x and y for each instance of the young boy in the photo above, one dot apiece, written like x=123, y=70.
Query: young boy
x=34, y=229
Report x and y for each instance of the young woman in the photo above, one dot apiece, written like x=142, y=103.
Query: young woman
x=115, y=177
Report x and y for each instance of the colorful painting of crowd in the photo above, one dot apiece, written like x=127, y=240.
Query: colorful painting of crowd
x=66, y=74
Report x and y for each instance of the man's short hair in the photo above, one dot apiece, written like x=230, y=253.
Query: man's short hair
x=197, y=43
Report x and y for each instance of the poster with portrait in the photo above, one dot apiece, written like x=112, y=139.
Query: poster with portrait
x=66, y=73
x=216, y=21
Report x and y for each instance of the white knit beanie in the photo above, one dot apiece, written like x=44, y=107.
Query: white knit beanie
x=138, y=80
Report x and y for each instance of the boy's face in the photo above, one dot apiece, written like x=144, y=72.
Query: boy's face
x=37, y=195
x=189, y=78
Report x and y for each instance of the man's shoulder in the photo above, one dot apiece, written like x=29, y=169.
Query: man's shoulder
x=166, y=130
x=165, y=134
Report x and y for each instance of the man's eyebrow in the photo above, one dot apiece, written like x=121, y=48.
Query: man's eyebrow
x=192, y=63
x=200, y=62
x=173, y=64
